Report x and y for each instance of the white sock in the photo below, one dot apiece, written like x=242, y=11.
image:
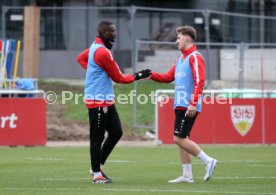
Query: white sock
x=187, y=170
x=102, y=167
x=204, y=157
x=97, y=174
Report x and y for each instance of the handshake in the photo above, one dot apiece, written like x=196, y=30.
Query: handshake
x=142, y=74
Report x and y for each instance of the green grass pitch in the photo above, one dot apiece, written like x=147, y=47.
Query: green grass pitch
x=242, y=169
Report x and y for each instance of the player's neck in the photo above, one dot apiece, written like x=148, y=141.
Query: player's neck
x=188, y=50
x=188, y=46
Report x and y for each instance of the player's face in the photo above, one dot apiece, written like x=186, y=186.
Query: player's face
x=182, y=41
x=111, y=33
x=109, y=36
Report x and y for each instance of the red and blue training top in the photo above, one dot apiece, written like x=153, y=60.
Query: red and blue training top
x=197, y=66
x=104, y=59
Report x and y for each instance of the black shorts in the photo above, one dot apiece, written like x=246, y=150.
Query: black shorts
x=183, y=125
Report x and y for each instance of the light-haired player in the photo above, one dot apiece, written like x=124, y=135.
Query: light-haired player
x=188, y=73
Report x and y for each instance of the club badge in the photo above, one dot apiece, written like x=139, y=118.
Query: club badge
x=243, y=118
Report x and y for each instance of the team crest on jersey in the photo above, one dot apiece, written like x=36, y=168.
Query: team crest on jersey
x=243, y=118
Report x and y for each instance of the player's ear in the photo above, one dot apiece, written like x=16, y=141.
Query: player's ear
x=102, y=32
x=187, y=38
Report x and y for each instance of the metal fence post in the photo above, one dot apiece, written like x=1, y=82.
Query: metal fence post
x=241, y=66
x=132, y=11
x=4, y=9
x=206, y=15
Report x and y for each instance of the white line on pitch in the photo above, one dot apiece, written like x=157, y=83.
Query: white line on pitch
x=140, y=190
x=41, y=159
x=120, y=161
x=71, y=178
x=234, y=177
x=237, y=177
x=226, y=161
x=63, y=179
x=241, y=161
x=268, y=166
x=60, y=159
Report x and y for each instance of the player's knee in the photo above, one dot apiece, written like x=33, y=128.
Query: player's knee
x=120, y=134
x=117, y=135
x=177, y=140
x=96, y=144
x=180, y=140
x=96, y=138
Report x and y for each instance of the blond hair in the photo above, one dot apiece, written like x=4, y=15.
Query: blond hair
x=187, y=30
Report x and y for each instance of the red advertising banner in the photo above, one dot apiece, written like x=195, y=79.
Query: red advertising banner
x=22, y=122
x=270, y=123
x=238, y=123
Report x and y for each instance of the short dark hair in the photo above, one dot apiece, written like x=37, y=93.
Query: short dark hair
x=103, y=25
x=187, y=30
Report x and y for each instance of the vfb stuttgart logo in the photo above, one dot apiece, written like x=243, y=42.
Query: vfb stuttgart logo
x=242, y=118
